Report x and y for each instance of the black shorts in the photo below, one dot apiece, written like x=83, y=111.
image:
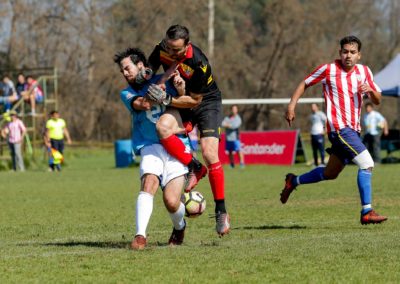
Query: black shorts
x=207, y=116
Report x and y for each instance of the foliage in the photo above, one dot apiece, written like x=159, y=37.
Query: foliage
x=263, y=49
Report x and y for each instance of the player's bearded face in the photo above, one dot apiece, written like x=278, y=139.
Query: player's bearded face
x=349, y=55
x=176, y=48
x=129, y=70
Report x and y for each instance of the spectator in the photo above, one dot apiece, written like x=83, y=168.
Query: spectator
x=318, y=121
x=22, y=85
x=56, y=129
x=15, y=130
x=232, y=124
x=9, y=94
x=374, y=125
x=34, y=94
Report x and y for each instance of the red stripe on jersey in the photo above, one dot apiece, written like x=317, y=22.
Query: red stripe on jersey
x=340, y=97
x=316, y=76
x=329, y=97
x=351, y=96
x=370, y=80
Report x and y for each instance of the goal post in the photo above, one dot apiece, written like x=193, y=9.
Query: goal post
x=270, y=101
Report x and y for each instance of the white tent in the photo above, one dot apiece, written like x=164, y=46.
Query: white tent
x=388, y=79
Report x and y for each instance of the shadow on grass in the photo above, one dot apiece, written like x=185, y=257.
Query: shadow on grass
x=116, y=245
x=271, y=227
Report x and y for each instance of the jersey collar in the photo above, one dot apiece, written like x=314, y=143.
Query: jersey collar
x=338, y=63
x=189, y=53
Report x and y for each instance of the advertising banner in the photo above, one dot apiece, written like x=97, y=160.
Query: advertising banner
x=277, y=147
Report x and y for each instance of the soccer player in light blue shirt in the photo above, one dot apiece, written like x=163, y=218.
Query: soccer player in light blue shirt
x=157, y=167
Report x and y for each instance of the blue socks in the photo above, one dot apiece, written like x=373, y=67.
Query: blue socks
x=363, y=182
x=365, y=189
x=312, y=176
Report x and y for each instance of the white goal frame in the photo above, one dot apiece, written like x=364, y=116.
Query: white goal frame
x=269, y=101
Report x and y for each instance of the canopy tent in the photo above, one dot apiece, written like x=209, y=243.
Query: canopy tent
x=388, y=79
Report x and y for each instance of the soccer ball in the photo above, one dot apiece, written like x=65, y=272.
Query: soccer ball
x=194, y=202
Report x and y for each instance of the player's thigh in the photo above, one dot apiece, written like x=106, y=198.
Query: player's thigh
x=172, y=170
x=208, y=118
x=151, y=166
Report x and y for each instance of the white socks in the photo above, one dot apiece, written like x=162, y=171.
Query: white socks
x=177, y=217
x=144, y=208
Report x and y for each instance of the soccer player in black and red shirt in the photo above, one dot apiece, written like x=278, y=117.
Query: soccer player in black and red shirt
x=176, y=51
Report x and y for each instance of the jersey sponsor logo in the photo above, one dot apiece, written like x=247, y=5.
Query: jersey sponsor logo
x=208, y=131
x=186, y=70
x=268, y=149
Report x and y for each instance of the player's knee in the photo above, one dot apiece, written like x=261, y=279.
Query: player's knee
x=150, y=184
x=172, y=204
x=364, y=161
x=164, y=128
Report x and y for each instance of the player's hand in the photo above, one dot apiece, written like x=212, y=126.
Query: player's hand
x=171, y=71
x=365, y=88
x=385, y=132
x=147, y=104
x=179, y=83
x=290, y=115
x=156, y=94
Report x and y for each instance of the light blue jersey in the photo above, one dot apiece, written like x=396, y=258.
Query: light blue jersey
x=144, y=122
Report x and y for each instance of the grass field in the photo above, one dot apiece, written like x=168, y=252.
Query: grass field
x=76, y=227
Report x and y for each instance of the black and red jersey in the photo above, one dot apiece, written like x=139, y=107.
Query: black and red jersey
x=194, y=69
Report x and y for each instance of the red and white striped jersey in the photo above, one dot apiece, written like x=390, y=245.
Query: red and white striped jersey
x=343, y=101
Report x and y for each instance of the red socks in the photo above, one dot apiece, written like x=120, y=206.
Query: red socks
x=216, y=177
x=175, y=147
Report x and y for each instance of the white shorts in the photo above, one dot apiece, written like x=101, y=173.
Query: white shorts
x=156, y=161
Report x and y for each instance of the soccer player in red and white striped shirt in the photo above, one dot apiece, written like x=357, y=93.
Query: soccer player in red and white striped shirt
x=344, y=83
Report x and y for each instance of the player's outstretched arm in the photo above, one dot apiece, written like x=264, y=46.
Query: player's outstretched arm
x=290, y=112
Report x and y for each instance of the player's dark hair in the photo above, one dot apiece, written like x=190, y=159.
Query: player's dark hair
x=369, y=104
x=178, y=32
x=350, y=39
x=136, y=55
x=53, y=112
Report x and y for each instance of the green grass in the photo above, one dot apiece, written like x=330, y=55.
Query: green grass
x=76, y=226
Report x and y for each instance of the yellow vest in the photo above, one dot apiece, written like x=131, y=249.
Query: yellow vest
x=56, y=128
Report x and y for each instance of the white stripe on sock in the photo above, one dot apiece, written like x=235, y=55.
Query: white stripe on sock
x=367, y=206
